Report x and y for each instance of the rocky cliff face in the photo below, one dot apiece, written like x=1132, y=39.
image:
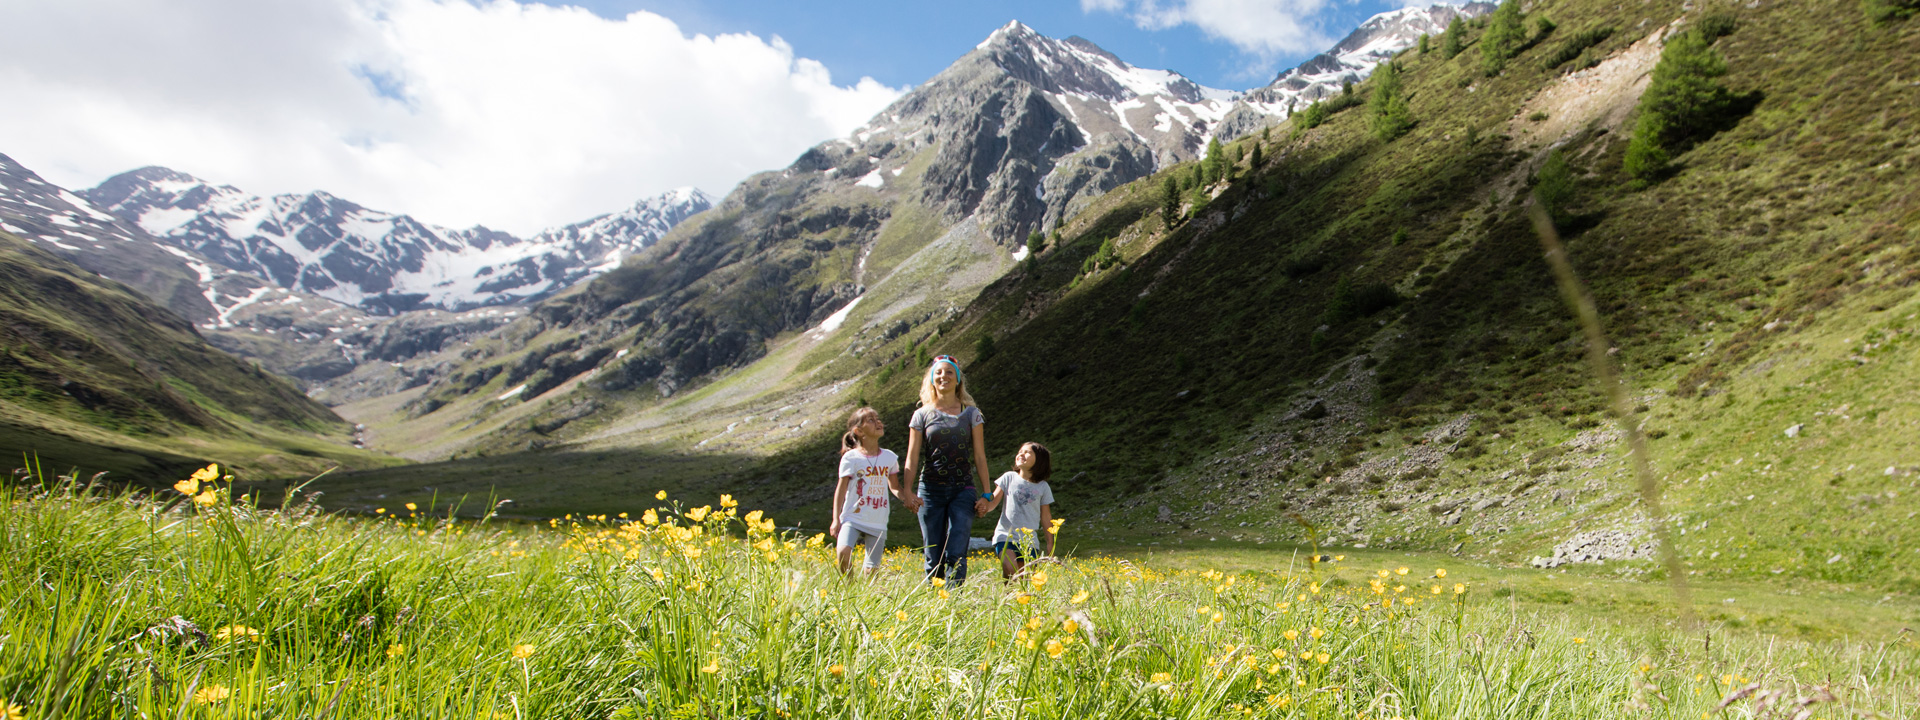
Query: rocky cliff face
x=383, y=263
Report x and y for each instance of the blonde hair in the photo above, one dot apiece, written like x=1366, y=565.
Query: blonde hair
x=851, y=440
x=928, y=395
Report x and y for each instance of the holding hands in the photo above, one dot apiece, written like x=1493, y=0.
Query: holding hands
x=910, y=500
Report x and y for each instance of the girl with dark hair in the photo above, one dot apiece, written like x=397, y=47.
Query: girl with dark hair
x=1028, y=521
x=868, y=473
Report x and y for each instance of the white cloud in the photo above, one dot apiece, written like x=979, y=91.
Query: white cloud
x=1266, y=28
x=515, y=116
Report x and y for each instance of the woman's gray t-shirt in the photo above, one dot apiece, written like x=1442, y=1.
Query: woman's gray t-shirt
x=949, y=443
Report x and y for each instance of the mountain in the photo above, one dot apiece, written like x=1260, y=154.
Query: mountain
x=339, y=352
x=941, y=187
x=1355, y=341
x=383, y=263
x=96, y=377
x=1351, y=60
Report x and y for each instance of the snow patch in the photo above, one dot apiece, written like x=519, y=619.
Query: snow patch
x=1021, y=254
x=512, y=393
x=872, y=180
x=834, y=321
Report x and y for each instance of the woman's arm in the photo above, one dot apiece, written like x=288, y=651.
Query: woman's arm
x=839, y=501
x=980, y=458
x=1046, y=527
x=910, y=470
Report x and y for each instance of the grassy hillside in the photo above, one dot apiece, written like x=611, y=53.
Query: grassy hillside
x=95, y=377
x=1357, y=341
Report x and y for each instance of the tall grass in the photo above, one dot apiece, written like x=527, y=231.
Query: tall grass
x=119, y=605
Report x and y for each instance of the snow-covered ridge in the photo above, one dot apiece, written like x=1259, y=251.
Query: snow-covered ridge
x=1375, y=41
x=379, y=261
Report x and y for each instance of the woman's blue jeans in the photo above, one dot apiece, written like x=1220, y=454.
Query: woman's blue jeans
x=946, y=524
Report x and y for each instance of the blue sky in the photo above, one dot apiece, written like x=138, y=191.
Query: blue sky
x=529, y=114
x=904, y=43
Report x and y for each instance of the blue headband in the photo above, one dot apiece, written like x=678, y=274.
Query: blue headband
x=957, y=375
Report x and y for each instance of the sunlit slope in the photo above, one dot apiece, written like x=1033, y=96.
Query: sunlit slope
x=96, y=377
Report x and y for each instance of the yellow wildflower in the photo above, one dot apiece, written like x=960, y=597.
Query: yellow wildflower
x=412, y=507
x=1055, y=649
x=237, y=632
x=1322, y=658
x=1279, y=654
x=1440, y=573
x=1161, y=677
x=1401, y=571
x=650, y=517
x=753, y=518
x=11, y=711
x=837, y=670
x=1081, y=597
x=1317, y=633
x=1218, y=618
x=379, y=511
x=1383, y=572
x=662, y=495
x=209, y=473
x=1034, y=623
x=1579, y=640
x=1291, y=634
x=1023, y=598
x=1436, y=589
x=1279, y=700
x=1057, y=522
x=522, y=651
x=206, y=497
x=712, y=666
x=699, y=514
x=1039, y=580
x=939, y=582
x=900, y=615
x=1459, y=588
x=396, y=650
x=817, y=540
x=1069, y=626
x=211, y=694
x=188, y=486
x=727, y=501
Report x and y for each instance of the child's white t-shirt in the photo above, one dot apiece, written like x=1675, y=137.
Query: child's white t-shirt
x=1023, y=500
x=871, y=482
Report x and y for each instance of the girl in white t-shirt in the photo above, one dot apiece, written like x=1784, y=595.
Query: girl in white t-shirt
x=867, y=474
x=1028, y=520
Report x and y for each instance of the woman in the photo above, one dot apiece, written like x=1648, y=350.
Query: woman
x=948, y=426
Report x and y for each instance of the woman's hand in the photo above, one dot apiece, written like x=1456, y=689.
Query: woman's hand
x=833, y=529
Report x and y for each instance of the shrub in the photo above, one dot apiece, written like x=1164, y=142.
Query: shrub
x=983, y=349
x=1716, y=25
x=1890, y=10
x=1349, y=300
x=1451, y=41
x=1554, y=187
x=1575, y=45
x=1106, y=256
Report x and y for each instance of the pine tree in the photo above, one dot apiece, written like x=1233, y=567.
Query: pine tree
x=1216, y=162
x=1684, y=89
x=1554, y=187
x=1451, y=42
x=1424, y=48
x=1253, y=157
x=1169, y=201
x=1503, y=37
x=1387, y=109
